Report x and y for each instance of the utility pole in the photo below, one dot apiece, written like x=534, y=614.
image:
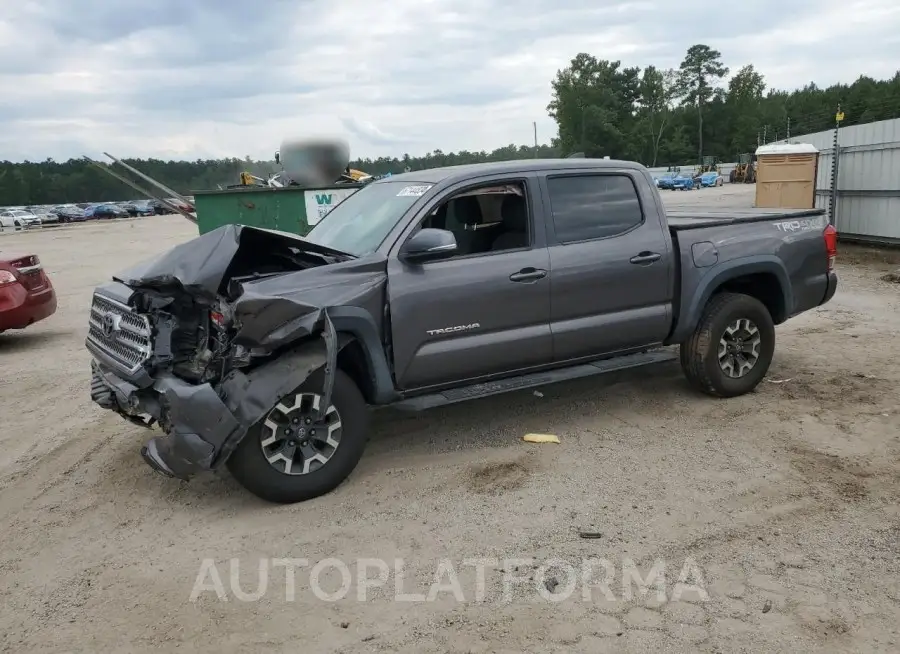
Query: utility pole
x=835, y=156
x=534, y=124
x=765, y=134
x=789, y=128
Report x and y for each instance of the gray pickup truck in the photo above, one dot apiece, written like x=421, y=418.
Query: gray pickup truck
x=264, y=351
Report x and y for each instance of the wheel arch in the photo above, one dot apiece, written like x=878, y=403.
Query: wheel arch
x=361, y=353
x=762, y=277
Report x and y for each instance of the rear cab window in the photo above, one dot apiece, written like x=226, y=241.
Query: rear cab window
x=593, y=206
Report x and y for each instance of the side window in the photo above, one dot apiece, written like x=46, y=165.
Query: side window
x=485, y=219
x=593, y=206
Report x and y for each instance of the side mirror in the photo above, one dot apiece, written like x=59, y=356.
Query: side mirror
x=428, y=244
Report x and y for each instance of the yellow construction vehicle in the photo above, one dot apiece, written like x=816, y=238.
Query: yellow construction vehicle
x=710, y=165
x=745, y=171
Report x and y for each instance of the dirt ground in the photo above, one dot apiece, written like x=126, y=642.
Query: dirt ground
x=781, y=504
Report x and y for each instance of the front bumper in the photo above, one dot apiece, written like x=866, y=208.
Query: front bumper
x=203, y=424
x=198, y=421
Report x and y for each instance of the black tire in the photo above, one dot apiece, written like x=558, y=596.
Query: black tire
x=700, y=352
x=251, y=469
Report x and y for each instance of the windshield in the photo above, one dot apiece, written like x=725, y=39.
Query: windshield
x=359, y=224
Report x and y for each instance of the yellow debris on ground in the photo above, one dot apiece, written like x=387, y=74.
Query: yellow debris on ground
x=540, y=438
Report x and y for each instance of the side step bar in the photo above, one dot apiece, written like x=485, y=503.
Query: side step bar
x=454, y=395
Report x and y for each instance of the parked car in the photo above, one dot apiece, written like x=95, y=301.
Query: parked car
x=139, y=208
x=142, y=208
x=262, y=350
x=184, y=206
x=43, y=213
x=711, y=179
x=18, y=219
x=128, y=207
x=69, y=213
x=26, y=294
x=159, y=208
x=666, y=181
x=683, y=183
x=108, y=211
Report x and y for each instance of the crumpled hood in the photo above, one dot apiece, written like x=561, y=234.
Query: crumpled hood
x=199, y=265
x=271, y=311
x=276, y=311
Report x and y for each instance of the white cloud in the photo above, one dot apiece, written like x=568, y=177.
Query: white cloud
x=206, y=78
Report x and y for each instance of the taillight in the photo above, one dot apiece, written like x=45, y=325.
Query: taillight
x=830, y=235
x=31, y=261
x=7, y=278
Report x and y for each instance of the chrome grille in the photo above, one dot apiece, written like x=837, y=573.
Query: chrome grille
x=119, y=332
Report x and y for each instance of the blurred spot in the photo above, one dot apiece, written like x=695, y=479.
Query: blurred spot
x=314, y=162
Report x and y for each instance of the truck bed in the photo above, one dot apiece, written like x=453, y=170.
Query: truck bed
x=685, y=218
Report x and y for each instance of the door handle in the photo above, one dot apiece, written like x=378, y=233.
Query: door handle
x=646, y=257
x=528, y=275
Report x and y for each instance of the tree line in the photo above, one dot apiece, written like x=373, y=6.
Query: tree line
x=601, y=107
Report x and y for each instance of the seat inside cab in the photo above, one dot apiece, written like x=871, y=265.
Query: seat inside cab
x=486, y=219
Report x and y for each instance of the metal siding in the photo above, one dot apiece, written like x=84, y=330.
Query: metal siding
x=869, y=161
x=882, y=131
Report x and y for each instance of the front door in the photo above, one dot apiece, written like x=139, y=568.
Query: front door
x=476, y=315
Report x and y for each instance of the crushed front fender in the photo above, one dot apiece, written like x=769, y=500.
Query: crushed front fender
x=204, y=424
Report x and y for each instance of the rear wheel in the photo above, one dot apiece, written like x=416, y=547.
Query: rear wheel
x=732, y=348
x=289, y=456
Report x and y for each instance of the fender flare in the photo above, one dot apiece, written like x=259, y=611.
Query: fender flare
x=691, y=313
x=360, y=324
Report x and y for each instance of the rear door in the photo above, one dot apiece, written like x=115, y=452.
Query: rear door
x=472, y=316
x=611, y=263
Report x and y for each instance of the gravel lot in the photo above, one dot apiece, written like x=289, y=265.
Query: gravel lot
x=784, y=500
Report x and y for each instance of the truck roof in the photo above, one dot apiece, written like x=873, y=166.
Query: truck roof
x=466, y=171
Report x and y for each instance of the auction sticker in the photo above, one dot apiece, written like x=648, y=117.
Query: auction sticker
x=414, y=191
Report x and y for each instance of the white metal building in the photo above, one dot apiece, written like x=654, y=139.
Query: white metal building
x=868, y=179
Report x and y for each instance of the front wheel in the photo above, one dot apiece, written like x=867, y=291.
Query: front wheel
x=290, y=457
x=732, y=347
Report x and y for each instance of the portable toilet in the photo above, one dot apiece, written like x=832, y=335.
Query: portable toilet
x=786, y=175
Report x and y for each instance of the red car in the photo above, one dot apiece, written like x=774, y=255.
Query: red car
x=26, y=294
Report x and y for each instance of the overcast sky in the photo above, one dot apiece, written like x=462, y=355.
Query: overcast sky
x=213, y=78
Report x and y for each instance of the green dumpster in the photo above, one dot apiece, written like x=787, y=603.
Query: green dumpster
x=290, y=209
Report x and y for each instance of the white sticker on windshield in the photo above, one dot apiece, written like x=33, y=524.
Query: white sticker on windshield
x=414, y=191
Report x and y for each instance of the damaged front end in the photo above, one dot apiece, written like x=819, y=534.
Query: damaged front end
x=204, y=340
